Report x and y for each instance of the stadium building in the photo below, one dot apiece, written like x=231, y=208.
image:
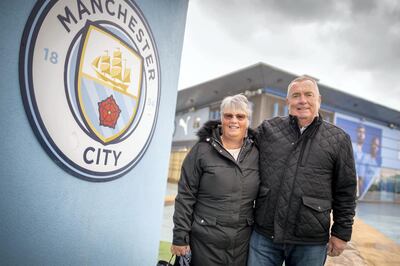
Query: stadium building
x=374, y=129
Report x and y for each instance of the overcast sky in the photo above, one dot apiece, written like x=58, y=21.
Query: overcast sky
x=352, y=46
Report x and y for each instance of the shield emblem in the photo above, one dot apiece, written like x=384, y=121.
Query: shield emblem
x=108, y=83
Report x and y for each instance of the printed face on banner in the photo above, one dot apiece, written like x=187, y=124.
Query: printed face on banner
x=90, y=81
x=367, y=152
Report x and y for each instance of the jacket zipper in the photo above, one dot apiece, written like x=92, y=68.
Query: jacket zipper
x=291, y=193
x=306, y=139
x=280, y=187
x=231, y=157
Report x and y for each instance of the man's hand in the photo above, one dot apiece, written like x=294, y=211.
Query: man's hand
x=180, y=250
x=336, y=246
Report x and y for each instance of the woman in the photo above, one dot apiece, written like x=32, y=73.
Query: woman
x=218, y=185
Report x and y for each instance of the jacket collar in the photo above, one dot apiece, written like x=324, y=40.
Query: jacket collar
x=294, y=122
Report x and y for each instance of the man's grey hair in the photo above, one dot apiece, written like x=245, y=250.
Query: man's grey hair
x=236, y=102
x=300, y=79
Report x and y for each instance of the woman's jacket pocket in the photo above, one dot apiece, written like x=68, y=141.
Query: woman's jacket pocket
x=206, y=229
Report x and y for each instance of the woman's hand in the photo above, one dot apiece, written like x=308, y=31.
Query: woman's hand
x=180, y=250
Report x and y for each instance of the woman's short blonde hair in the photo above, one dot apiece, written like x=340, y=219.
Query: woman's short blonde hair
x=236, y=103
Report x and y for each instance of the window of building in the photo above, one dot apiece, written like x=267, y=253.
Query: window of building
x=275, y=111
x=175, y=164
x=196, y=122
x=286, y=111
x=385, y=187
x=276, y=106
x=328, y=116
x=215, y=113
x=398, y=148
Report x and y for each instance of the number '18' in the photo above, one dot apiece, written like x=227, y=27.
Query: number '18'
x=50, y=56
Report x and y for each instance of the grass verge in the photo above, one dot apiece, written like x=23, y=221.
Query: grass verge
x=164, y=252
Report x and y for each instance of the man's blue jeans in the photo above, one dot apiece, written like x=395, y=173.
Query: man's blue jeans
x=264, y=252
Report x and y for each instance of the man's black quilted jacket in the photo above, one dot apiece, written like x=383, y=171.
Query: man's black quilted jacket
x=304, y=177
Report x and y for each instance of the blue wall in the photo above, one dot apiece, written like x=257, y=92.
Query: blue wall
x=47, y=216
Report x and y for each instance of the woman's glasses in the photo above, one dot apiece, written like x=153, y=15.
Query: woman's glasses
x=239, y=117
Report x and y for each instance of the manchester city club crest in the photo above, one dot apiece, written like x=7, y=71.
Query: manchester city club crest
x=90, y=81
x=108, y=83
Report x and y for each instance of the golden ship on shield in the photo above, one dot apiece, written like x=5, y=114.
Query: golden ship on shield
x=110, y=69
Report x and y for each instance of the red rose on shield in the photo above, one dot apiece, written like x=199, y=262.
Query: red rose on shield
x=108, y=112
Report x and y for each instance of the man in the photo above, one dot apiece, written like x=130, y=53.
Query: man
x=358, y=148
x=359, y=157
x=372, y=167
x=306, y=169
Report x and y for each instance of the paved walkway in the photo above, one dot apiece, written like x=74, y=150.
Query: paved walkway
x=384, y=217
x=367, y=247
